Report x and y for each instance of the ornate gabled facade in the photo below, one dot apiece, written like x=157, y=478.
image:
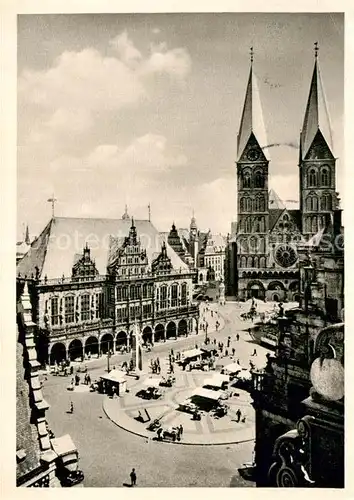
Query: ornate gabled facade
x=86, y=303
x=268, y=234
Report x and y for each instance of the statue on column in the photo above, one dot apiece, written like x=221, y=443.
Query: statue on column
x=136, y=362
x=222, y=293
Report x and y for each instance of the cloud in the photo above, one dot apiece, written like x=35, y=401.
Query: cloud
x=126, y=49
x=82, y=81
x=175, y=62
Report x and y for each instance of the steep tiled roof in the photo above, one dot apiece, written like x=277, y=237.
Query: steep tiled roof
x=274, y=215
x=54, y=250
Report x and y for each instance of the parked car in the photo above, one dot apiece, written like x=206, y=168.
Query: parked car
x=72, y=478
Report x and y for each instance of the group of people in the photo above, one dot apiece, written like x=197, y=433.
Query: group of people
x=178, y=430
x=155, y=366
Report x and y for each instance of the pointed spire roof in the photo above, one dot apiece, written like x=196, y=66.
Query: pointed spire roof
x=27, y=238
x=125, y=216
x=252, y=116
x=316, y=114
x=274, y=201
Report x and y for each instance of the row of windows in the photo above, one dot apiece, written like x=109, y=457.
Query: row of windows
x=250, y=262
x=253, y=244
x=314, y=223
x=134, y=292
x=91, y=307
x=258, y=205
x=257, y=181
x=130, y=271
x=252, y=225
x=162, y=296
x=316, y=178
x=314, y=203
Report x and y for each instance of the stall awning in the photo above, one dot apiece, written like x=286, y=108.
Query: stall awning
x=206, y=394
x=192, y=353
x=115, y=376
x=232, y=368
x=63, y=445
x=217, y=380
x=208, y=348
x=152, y=382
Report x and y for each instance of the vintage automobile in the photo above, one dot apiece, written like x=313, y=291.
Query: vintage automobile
x=170, y=433
x=154, y=425
x=167, y=381
x=81, y=368
x=72, y=478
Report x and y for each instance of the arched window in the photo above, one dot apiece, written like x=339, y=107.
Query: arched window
x=184, y=294
x=326, y=202
x=262, y=262
x=174, y=295
x=242, y=204
x=308, y=224
x=246, y=180
x=255, y=262
x=325, y=176
x=249, y=262
x=285, y=217
x=248, y=225
x=243, y=261
x=314, y=227
x=314, y=203
x=309, y=203
x=253, y=244
x=312, y=178
x=248, y=204
x=163, y=297
x=259, y=180
x=259, y=204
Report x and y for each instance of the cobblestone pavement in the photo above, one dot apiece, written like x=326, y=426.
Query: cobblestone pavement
x=107, y=453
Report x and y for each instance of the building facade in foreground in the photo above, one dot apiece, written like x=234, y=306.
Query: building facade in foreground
x=39, y=463
x=299, y=397
x=92, y=280
x=267, y=232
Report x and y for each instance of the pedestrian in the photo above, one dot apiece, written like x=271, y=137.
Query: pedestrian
x=88, y=379
x=237, y=337
x=71, y=370
x=181, y=430
x=228, y=341
x=238, y=361
x=238, y=415
x=133, y=477
x=233, y=351
x=159, y=432
x=71, y=407
x=226, y=352
x=254, y=352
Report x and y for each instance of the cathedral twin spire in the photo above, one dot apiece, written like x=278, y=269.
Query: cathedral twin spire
x=252, y=116
x=316, y=115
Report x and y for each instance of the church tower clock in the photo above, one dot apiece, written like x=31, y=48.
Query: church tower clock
x=252, y=185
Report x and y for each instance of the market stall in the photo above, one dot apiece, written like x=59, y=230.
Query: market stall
x=217, y=382
x=206, y=399
x=113, y=382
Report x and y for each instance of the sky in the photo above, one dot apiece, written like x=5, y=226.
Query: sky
x=145, y=108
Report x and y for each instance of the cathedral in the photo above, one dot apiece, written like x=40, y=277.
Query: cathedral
x=263, y=259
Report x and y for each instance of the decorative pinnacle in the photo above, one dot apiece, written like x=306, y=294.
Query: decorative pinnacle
x=316, y=49
x=251, y=54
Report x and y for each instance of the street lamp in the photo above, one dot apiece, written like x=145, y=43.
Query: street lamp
x=108, y=357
